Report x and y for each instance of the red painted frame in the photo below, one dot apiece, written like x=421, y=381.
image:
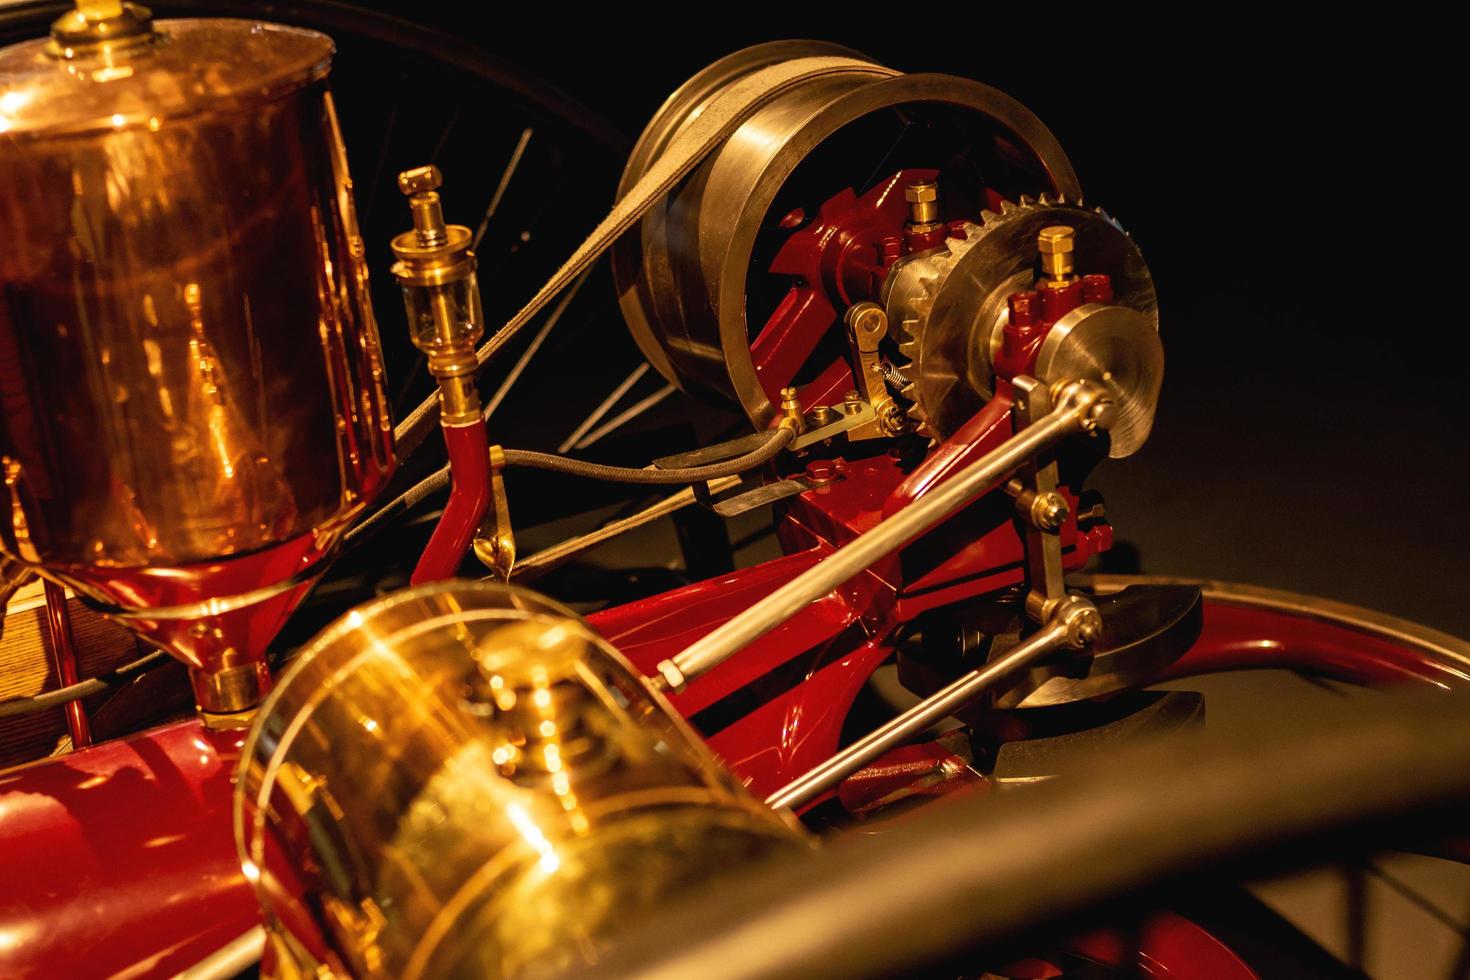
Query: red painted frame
x=118, y=859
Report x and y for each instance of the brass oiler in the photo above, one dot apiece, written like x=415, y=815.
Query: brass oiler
x=193, y=404
x=464, y=780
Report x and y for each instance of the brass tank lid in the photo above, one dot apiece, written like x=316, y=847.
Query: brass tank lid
x=109, y=65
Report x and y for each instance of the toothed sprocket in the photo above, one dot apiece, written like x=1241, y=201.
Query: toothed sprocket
x=947, y=306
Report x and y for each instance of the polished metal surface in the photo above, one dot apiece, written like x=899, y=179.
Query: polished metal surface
x=190, y=363
x=1081, y=406
x=1073, y=622
x=682, y=281
x=1145, y=629
x=947, y=306
x=463, y=780
x=1118, y=348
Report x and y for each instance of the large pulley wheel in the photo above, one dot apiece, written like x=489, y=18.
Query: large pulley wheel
x=693, y=278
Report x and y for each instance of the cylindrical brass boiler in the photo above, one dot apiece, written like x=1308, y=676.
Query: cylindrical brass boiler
x=192, y=404
x=463, y=780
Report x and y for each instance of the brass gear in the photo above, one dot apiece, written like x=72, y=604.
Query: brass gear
x=947, y=306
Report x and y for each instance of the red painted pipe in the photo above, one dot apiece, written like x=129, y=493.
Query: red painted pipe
x=119, y=859
x=469, y=498
x=64, y=659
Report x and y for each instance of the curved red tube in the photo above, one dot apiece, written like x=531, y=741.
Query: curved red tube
x=469, y=498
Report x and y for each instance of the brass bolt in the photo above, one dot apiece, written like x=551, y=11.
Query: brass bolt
x=791, y=417
x=852, y=401
x=923, y=198
x=1056, y=244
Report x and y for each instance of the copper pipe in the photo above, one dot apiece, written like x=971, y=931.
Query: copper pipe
x=64, y=659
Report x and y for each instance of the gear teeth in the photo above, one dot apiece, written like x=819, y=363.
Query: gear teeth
x=910, y=336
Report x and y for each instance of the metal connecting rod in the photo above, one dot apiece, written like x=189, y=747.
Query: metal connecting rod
x=1082, y=406
x=1075, y=624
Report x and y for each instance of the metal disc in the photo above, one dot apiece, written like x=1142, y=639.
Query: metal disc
x=1118, y=347
x=949, y=307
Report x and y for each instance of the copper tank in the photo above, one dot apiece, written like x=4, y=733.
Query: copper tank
x=192, y=405
x=464, y=780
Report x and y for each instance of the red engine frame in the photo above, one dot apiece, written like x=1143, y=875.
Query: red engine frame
x=118, y=858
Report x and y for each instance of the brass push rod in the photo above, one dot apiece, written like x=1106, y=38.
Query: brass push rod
x=1083, y=406
x=1075, y=624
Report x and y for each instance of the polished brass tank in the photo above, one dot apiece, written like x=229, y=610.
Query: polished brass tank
x=192, y=405
x=463, y=780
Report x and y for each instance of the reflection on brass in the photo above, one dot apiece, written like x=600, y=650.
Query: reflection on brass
x=923, y=201
x=495, y=541
x=230, y=690
x=1056, y=244
x=106, y=27
x=463, y=780
x=437, y=271
x=188, y=356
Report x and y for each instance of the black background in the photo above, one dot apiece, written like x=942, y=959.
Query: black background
x=1294, y=189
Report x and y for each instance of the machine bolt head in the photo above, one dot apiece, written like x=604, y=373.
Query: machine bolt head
x=1049, y=511
x=1056, y=240
x=921, y=192
x=1085, y=629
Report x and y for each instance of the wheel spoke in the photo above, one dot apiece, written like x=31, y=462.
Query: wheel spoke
x=623, y=418
x=602, y=409
x=533, y=347
x=510, y=170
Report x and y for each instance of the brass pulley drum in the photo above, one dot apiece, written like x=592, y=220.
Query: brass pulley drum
x=464, y=780
x=193, y=405
x=683, y=277
x=695, y=278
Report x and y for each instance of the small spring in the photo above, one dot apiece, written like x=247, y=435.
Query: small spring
x=893, y=376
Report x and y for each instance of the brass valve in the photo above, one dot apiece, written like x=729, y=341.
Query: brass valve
x=1056, y=244
x=436, y=269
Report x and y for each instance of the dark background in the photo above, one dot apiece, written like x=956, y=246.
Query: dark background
x=1294, y=190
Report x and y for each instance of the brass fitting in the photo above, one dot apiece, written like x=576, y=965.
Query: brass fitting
x=791, y=417
x=436, y=269
x=495, y=542
x=421, y=185
x=923, y=199
x=1056, y=244
x=100, y=27
x=227, y=696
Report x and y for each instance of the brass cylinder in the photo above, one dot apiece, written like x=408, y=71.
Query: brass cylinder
x=188, y=359
x=464, y=780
